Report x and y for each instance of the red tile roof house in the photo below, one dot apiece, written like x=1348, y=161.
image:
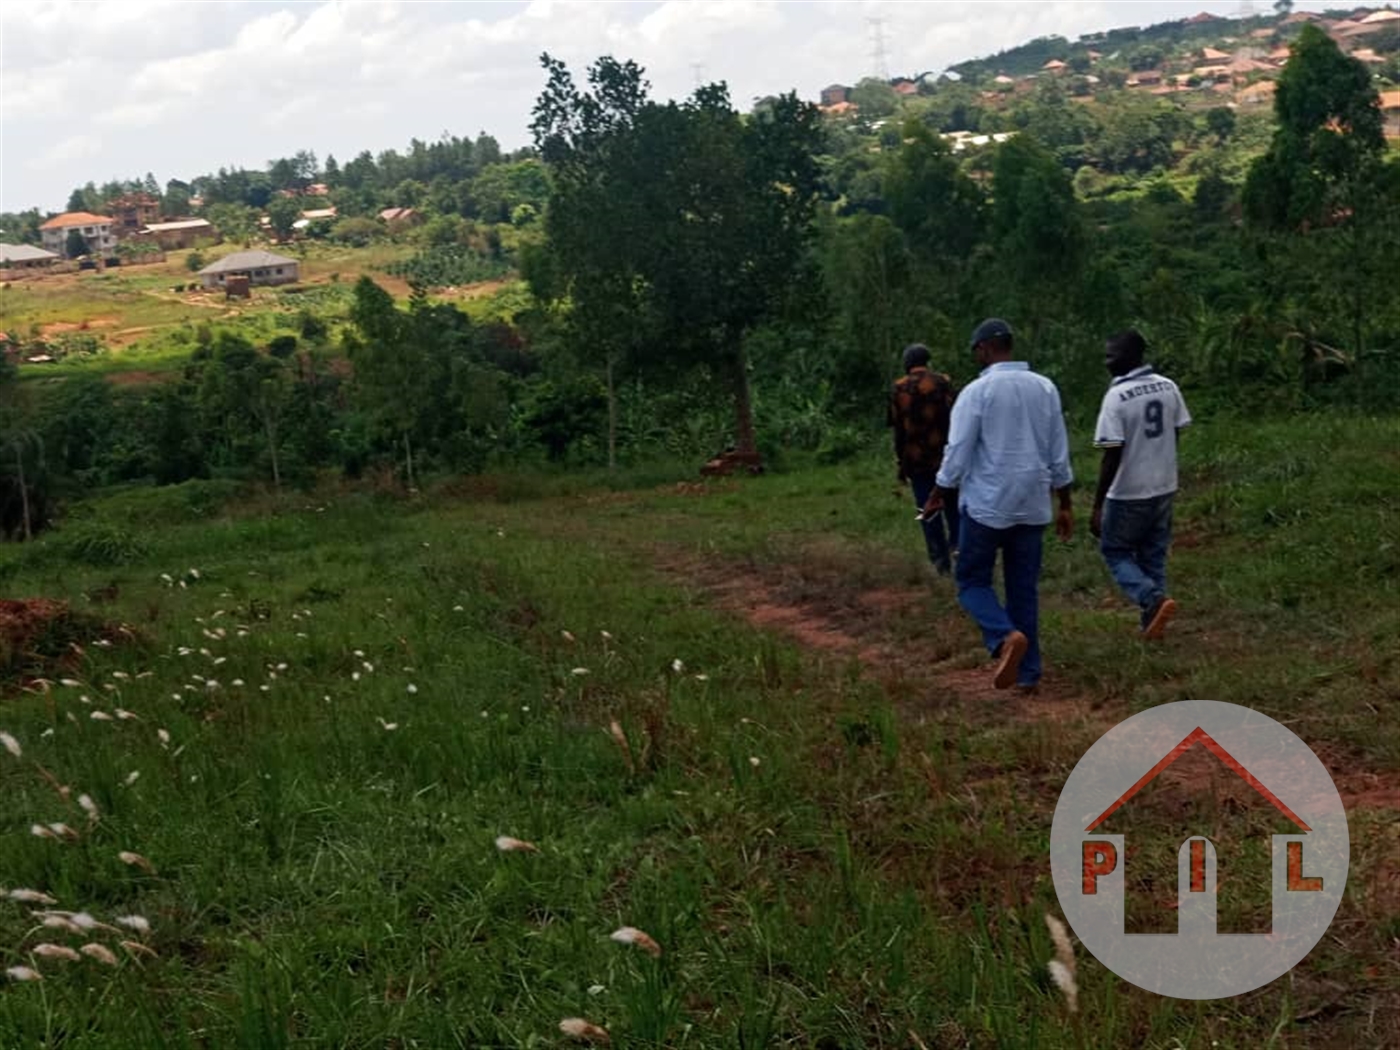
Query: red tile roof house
x=96, y=230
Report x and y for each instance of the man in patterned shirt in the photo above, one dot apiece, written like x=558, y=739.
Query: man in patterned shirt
x=920, y=408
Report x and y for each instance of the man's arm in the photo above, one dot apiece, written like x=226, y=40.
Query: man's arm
x=963, y=428
x=1108, y=436
x=1061, y=474
x=1108, y=470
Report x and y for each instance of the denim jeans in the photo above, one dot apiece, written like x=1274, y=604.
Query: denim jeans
x=1020, y=549
x=1136, y=536
x=935, y=539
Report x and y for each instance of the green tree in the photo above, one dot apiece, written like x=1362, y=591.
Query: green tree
x=1283, y=8
x=875, y=98
x=283, y=213
x=1039, y=232
x=1328, y=136
x=938, y=207
x=1220, y=122
x=1323, y=189
x=75, y=244
x=719, y=213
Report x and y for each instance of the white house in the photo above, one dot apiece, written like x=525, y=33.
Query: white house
x=259, y=267
x=96, y=231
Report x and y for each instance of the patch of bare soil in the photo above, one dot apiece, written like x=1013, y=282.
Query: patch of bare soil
x=59, y=327
x=816, y=601
x=924, y=658
x=39, y=635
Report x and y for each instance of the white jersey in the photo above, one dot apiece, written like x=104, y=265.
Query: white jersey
x=1141, y=414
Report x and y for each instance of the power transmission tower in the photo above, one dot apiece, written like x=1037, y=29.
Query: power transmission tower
x=1246, y=10
x=698, y=69
x=878, y=56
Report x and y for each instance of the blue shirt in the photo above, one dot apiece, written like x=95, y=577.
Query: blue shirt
x=1007, y=447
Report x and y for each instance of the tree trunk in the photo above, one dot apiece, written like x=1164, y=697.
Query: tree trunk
x=743, y=402
x=612, y=417
x=23, y=491
x=272, y=450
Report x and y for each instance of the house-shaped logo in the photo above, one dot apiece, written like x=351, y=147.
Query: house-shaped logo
x=1309, y=860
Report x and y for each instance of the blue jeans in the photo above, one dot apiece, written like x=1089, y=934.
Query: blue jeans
x=935, y=539
x=1020, y=549
x=1136, y=536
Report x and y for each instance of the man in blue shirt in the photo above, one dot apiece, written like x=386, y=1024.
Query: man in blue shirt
x=1007, y=452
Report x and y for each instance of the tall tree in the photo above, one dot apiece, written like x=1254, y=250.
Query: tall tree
x=283, y=212
x=1323, y=185
x=719, y=208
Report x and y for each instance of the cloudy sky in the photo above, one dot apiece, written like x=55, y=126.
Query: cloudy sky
x=117, y=88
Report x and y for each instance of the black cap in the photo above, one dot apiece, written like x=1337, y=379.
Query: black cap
x=991, y=328
x=915, y=356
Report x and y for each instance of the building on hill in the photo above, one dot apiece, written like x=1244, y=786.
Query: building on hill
x=1054, y=66
x=1003, y=79
x=183, y=234
x=1390, y=112
x=96, y=230
x=1213, y=54
x=1202, y=19
x=1382, y=17
x=835, y=94
x=132, y=211
x=259, y=267
x=1280, y=55
x=25, y=257
x=1145, y=78
x=904, y=86
x=1260, y=94
x=400, y=217
x=1366, y=54
x=1299, y=17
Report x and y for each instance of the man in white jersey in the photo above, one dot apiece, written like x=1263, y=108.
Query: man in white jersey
x=1141, y=416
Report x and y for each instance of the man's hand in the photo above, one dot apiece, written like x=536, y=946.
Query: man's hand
x=934, y=503
x=1096, y=522
x=1064, y=524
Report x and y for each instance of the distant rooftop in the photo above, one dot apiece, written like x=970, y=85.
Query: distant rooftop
x=23, y=253
x=75, y=218
x=251, y=260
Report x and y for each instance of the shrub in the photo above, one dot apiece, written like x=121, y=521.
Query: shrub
x=100, y=543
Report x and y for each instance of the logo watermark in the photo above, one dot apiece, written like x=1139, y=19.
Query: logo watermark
x=1309, y=861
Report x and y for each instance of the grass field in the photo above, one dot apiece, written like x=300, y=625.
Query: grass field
x=145, y=328
x=834, y=830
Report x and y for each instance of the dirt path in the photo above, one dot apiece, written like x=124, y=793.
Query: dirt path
x=915, y=642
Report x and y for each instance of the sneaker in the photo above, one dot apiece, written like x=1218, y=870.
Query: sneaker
x=1010, y=653
x=1157, y=619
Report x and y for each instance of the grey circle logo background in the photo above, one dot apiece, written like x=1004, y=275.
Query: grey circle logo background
x=1196, y=962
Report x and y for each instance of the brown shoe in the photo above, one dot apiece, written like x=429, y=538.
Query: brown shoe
x=1011, y=651
x=1157, y=621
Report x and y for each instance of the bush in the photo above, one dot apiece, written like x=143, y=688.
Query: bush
x=446, y=265
x=194, y=261
x=100, y=543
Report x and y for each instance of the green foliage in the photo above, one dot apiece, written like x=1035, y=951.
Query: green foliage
x=75, y=244
x=194, y=261
x=283, y=213
x=1328, y=136
x=101, y=543
x=448, y=264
